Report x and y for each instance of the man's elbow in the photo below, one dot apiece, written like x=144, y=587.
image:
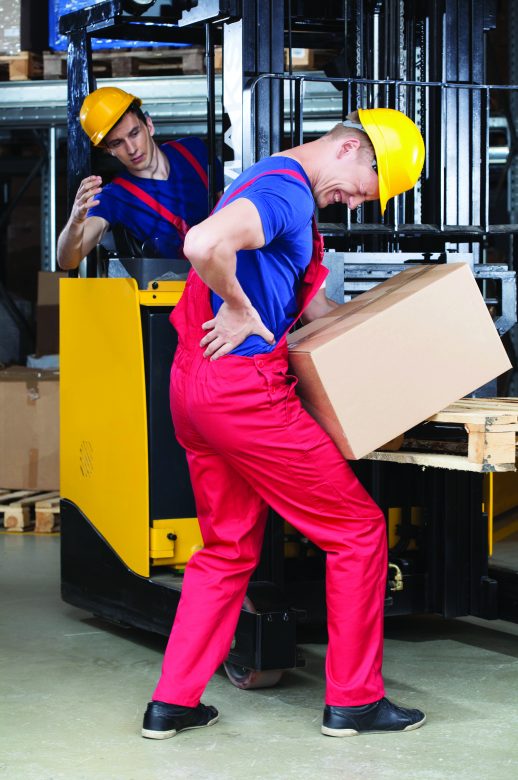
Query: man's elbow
x=198, y=247
x=65, y=261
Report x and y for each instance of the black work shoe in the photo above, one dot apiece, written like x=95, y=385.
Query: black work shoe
x=378, y=717
x=165, y=720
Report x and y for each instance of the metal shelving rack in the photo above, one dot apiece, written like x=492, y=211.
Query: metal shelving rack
x=178, y=105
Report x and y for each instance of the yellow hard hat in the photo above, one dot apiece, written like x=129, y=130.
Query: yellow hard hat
x=399, y=149
x=102, y=108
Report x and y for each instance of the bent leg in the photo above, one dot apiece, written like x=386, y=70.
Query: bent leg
x=321, y=497
x=232, y=519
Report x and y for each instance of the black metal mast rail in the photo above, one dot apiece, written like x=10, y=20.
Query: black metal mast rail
x=442, y=189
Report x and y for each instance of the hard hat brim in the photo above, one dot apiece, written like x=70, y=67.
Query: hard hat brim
x=101, y=134
x=102, y=109
x=376, y=138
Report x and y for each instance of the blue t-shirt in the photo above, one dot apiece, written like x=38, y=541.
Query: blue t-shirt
x=183, y=193
x=271, y=276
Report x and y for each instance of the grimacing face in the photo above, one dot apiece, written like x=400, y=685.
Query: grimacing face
x=350, y=179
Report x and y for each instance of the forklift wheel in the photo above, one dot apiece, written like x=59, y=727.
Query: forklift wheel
x=252, y=678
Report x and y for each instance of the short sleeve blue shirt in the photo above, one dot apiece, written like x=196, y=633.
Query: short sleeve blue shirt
x=271, y=276
x=183, y=193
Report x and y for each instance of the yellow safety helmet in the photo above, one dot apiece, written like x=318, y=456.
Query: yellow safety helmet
x=399, y=148
x=102, y=109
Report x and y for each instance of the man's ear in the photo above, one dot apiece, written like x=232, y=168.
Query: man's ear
x=150, y=125
x=350, y=144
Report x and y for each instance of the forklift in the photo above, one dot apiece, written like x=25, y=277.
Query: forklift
x=129, y=521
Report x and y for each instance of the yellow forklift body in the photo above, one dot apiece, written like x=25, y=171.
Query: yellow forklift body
x=173, y=542
x=103, y=409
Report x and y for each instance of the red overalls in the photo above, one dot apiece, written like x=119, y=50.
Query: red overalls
x=138, y=192
x=250, y=445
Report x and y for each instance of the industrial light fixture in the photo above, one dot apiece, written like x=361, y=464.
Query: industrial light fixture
x=138, y=6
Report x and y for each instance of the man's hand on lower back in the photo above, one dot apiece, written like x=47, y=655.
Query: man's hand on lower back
x=229, y=328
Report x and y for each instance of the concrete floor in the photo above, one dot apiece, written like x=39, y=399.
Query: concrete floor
x=73, y=691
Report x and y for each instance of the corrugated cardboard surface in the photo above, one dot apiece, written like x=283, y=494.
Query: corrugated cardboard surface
x=396, y=355
x=29, y=429
x=47, y=312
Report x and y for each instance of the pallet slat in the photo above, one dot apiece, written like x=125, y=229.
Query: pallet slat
x=24, y=510
x=21, y=67
x=133, y=62
x=47, y=515
x=491, y=427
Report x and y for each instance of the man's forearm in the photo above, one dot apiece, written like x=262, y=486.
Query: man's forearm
x=70, y=245
x=320, y=306
x=217, y=268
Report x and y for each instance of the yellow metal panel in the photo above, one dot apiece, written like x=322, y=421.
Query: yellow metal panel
x=162, y=293
x=393, y=520
x=166, y=549
x=505, y=492
x=104, y=449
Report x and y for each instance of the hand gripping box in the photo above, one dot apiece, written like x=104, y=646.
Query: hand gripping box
x=395, y=355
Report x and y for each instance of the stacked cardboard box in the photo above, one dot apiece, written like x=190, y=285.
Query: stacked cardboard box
x=29, y=429
x=396, y=355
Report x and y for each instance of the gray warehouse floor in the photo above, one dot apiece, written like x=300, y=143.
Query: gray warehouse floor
x=73, y=691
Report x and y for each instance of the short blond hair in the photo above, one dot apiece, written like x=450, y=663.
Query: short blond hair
x=339, y=131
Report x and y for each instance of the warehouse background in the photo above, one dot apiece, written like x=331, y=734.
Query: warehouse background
x=462, y=672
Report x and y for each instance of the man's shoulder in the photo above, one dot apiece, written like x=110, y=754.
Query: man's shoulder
x=285, y=169
x=191, y=143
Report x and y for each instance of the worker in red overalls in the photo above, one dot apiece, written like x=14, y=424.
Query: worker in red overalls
x=155, y=199
x=250, y=445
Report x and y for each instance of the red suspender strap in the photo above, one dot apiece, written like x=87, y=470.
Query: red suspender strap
x=286, y=171
x=179, y=223
x=192, y=159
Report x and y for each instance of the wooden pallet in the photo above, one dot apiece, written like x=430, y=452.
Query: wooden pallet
x=27, y=510
x=21, y=67
x=301, y=59
x=132, y=62
x=490, y=426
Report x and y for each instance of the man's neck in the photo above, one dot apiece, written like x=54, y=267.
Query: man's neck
x=304, y=156
x=158, y=167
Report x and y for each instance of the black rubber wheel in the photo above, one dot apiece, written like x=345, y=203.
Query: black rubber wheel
x=248, y=679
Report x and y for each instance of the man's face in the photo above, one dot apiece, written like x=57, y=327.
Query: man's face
x=131, y=143
x=350, y=180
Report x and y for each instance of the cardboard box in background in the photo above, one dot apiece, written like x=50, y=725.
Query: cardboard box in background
x=10, y=29
x=29, y=429
x=395, y=355
x=24, y=26
x=47, y=312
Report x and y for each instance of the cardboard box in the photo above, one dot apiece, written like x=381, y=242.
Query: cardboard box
x=29, y=429
x=24, y=26
x=10, y=29
x=47, y=312
x=395, y=355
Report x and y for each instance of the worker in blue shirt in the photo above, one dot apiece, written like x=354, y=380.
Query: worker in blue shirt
x=159, y=196
x=250, y=445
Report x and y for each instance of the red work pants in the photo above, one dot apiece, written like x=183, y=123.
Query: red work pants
x=251, y=445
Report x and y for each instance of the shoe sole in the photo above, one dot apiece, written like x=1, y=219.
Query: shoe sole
x=353, y=733
x=151, y=734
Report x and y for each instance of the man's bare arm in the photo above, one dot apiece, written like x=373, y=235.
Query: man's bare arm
x=81, y=233
x=319, y=307
x=211, y=246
